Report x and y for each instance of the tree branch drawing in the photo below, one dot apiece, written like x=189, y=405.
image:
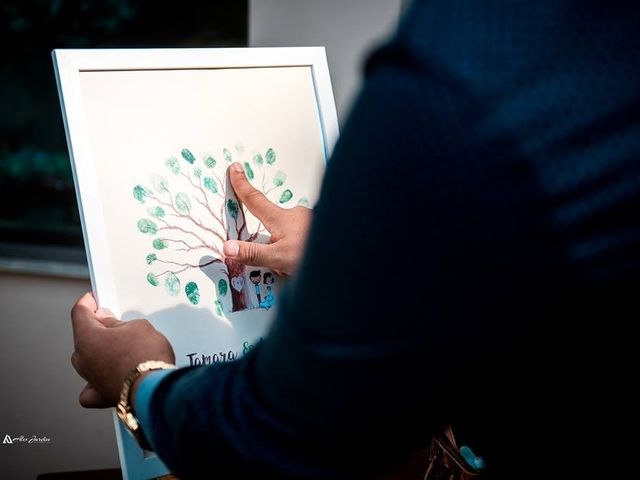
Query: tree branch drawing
x=190, y=217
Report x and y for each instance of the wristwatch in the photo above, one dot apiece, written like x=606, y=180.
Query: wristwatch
x=124, y=409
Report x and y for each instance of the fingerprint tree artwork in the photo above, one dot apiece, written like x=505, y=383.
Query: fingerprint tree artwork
x=191, y=210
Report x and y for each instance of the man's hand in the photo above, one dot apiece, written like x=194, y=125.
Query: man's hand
x=107, y=349
x=288, y=229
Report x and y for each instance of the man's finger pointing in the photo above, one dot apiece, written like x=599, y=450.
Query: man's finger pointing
x=255, y=201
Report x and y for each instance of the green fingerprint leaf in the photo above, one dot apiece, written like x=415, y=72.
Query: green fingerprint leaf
x=173, y=165
x=151, y=258
x=279, y=178
x=219, y=311
x=304, y=201
x=210, y=184
x=157, y=212
x=227, y=155
x=192, y=292
x=248, y=171
x=183, y=204
x=210, y=162
x=160, y=244
x=147, y=226
x=172, y=284
x=222, y=287
x=258, y=159
x=187, y=155
x=159, y=183
x=197, y=172
x=232, y=207
x=140, y=193
x=152, y=279
x=270, y=156
x=286, y=196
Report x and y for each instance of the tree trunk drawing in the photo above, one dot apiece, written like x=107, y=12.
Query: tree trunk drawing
x=235, y=272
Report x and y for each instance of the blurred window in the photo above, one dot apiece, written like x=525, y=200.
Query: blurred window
x=37, y=198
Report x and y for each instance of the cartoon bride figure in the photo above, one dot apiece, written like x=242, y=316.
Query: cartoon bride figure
x=269, y=299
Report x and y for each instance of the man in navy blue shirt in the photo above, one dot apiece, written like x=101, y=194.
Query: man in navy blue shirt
x=493, y=157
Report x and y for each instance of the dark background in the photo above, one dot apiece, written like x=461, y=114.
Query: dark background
x=37, y=199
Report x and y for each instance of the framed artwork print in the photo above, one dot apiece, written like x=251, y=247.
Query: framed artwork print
x=150, y=135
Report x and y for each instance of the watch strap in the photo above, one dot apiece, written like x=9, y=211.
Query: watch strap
x=124, y=408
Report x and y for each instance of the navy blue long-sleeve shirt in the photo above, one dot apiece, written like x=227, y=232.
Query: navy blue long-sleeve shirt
x=471, y=258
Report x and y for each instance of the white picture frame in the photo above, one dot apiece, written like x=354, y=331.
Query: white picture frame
x=69, y=66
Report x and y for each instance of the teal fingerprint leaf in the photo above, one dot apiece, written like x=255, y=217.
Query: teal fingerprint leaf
x=248, y=170
x=210, y=162
x=147, y=226
x=183, y=204
x=140, y=193
x=173, y=165
x=197, y=172
x=222, y=287
x=159, y=183
x=286, y=196
x=152, y=279
x=172, y=284
x=279, y=178
x=270, y=156
x=187, y=155
x=192, y=292
x=210, y=184
x=304, y=201
x=227, y=155
x=160, y=244
x=157, y=212
x=151, y=258
x=258, y=159
x=218, y=305
x=232, y=207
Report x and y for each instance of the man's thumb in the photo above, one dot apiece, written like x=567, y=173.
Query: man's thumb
x=249, y=253
x=107, y=318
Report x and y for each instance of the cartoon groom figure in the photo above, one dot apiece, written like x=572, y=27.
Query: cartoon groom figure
x=254, y=276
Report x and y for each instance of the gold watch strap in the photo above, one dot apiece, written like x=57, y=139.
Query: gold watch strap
x=124, y=408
